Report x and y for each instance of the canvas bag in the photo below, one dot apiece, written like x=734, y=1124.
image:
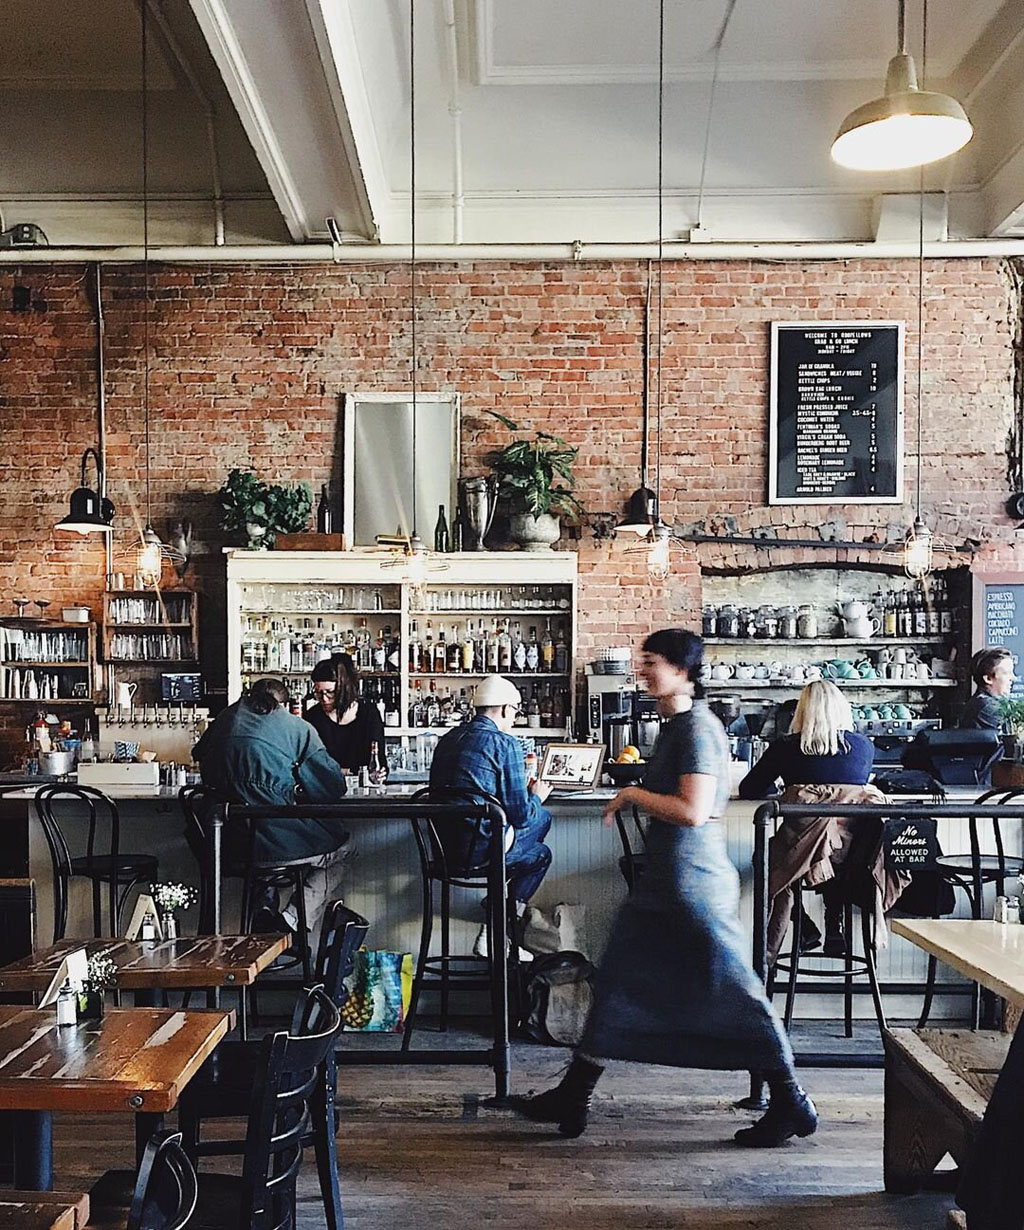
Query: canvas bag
x=561, y=932
x=379, y=989
x=559, y=996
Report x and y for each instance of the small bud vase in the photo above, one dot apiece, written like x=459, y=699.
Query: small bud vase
x=170, y=927
x=90, y=1005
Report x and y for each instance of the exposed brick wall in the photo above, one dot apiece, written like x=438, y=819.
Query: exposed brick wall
x=248, y=364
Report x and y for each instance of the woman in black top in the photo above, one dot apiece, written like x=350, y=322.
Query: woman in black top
x=347, y=725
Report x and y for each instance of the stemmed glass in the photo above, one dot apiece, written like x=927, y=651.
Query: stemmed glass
x=21, y=604
x=42, y=604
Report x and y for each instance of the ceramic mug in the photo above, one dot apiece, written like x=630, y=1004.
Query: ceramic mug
x=812, y=673
x=839, y=668
x=797, y=674
x=869, y=713
x=866, y=670
x=902, y=712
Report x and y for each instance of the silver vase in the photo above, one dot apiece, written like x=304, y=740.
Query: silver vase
x=478, y=499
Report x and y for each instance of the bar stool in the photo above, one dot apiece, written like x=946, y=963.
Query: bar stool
x=119, y=872
x=634, y=847
x=445, y=970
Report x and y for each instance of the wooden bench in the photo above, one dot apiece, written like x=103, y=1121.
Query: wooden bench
x=43, y=1210
x=937, y=1086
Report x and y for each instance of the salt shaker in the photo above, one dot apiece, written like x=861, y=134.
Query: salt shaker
x=1013, y=910
x=67, y=1005
x=1001, y=913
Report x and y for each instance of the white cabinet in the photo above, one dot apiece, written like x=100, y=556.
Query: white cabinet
x=509, y=611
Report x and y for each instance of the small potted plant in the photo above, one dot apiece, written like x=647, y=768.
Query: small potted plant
x=263, y=510
x=536, y=478
x=169, y=898
x=101, y=973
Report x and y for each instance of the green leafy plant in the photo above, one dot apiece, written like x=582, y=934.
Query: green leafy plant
x=1013, y=715
x=529, y=473
x=263, y=510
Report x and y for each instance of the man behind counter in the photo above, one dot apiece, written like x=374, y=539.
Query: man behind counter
x=992, y=672
x=258, y=753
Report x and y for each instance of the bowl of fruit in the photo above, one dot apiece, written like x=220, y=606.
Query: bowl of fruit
x=627, y=768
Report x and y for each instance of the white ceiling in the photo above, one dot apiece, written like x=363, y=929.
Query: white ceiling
x=555, y=137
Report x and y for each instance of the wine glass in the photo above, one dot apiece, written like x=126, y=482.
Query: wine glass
x=21, y=604
x=42, y=604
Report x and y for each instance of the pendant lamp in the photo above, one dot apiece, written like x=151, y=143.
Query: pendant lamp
x=907, y=126
x=90, y=512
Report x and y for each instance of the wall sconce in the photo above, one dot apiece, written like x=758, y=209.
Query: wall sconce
x=90, y=511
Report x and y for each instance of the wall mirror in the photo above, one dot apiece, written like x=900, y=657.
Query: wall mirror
x=377, y=492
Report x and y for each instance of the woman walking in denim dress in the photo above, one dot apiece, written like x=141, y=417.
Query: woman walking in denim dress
x=675, y=985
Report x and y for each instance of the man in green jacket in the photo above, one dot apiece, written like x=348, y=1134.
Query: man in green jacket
x=256, y=752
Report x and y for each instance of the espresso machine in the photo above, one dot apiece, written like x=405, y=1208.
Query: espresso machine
x=620, y=714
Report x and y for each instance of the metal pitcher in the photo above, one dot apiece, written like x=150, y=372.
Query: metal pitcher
x=478, y=500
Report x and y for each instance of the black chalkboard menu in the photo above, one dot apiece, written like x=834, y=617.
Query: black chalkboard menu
x=836, y=413
x=999, y=617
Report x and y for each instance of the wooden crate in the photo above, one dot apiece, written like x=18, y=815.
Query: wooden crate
x=308, y=541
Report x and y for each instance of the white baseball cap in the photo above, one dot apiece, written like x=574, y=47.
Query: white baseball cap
x=495, y=690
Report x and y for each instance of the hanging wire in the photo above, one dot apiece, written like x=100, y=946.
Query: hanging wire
x=920, y=251
x=412, y=244
x=661, y=252
x=145, y=246
x=711, y=106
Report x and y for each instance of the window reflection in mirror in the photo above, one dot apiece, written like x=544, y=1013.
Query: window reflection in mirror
x=378, y=444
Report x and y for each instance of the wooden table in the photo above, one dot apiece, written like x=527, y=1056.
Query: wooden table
x=938, y=1082
x=194, y=962
x=987, y=952
x=43, y=1210
x=136, y=1060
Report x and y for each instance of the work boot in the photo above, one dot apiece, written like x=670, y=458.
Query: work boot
x=568, y=1104
x=835, y=939
x=790, y=1113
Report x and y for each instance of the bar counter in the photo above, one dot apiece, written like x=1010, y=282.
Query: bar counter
x=382, y=879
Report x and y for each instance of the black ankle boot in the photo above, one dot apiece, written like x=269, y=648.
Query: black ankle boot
x=568, y=1103
x=835, y=940
x=790, y=1113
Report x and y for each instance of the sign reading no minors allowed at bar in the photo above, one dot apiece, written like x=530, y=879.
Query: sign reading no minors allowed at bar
x=836, y=415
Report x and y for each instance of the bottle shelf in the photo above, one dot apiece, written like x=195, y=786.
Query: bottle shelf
x=489, y=613
x=877, y=642
x=304, y=670
x=160, y=623
x=334, y=613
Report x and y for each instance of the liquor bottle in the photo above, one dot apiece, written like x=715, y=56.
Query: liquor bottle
x=945, y=610
x=561, y=653
x=547, y=708
x=468, y=649
x=380, y=653
x=904, y=615
x=532, y=652
x=392, y=715
x=547, y=650
x=504, y=648
x=393, y=644
x=323, y=642
x=416, y=705
x=284, y=650
x=441, y=540
x=376, y=772
x=364, y=646
x=454, y=651
x=480, y=651
x=932, y=611
x=458, y=532
x=533, y=711
x=518, y=648
x=559, y=707
x=308, y=647
x=920, y=611
x=889, y=626
x=324, y=514
x=440, y=653
x=273, y=650
x=493, y=650
x=433, y=707
x=427, y=657
x=415, y=663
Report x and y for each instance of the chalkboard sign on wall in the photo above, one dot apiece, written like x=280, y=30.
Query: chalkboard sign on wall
x=998, y=602
x=836, y=413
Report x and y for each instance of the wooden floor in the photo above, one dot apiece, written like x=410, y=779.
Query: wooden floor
x=419, y=1147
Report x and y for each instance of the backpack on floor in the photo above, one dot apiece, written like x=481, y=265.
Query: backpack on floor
x=559, y=995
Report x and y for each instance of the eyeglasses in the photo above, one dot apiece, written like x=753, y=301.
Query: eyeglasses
x=324, y=692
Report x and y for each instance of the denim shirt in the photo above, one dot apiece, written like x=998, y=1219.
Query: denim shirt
x=480, y=758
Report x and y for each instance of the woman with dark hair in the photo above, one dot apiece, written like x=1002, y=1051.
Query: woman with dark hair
x=675, y=985
x=347, y=725
x=992, y=672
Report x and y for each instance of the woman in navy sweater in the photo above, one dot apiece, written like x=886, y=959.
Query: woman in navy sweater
x=821, y=749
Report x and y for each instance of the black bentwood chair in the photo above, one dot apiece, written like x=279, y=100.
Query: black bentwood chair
x=223, y=1086
x=102, y=864
x=165, y=1190
x=289, y=1069
x=442, y=847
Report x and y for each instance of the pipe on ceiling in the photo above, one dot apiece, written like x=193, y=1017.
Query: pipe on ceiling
x=455, y=111
x=562, y=253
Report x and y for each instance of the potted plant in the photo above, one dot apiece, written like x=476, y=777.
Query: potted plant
x=101, y=972
x=263, y=510
x=169, y=898
x=536, y=478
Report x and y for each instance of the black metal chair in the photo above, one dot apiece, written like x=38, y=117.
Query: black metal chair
x=101, y=866
x=971, y=872
x=447, y=871
x=257, y=875
x=634, y=847
x=165, y=1190
x=290, y=1072
x=223, y=1086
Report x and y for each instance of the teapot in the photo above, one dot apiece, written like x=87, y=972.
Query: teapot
x=721, y=670
x=840, y=668
x=853, y=610
x=744, y=671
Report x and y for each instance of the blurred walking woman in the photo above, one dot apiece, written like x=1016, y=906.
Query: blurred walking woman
x=675, y=985
x=346, y=724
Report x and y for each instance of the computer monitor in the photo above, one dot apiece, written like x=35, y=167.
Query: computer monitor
x=955, y=757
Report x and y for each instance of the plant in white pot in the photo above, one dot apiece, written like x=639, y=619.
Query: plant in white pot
x=536, y=478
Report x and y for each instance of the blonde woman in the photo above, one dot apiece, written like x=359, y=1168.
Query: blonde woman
x=821, y=749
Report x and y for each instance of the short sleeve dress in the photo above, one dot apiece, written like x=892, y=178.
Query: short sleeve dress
x=675, y=985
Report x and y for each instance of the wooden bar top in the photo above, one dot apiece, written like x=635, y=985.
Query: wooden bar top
x=43, y=1210
x=987, y=952
x=194, y=961
x=136, y=1059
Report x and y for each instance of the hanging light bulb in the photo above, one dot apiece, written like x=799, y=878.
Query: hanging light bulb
x=149, y=559
x=658, y=553
x=907, y=127
x=917, y=550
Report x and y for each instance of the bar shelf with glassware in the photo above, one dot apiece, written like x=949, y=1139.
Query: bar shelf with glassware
x=134, y=632
x=876, y=642
x=44, y=661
